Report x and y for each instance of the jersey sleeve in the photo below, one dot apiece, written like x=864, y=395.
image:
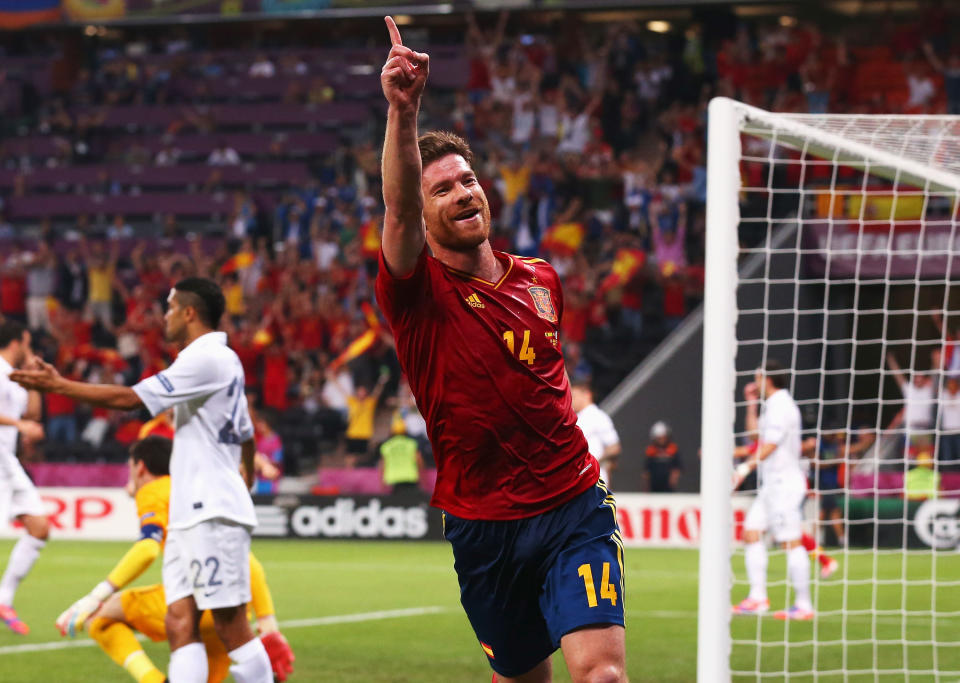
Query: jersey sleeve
x=397, y=295
x=153, y=516
x=244, y=424
x=189, y=377
x=134, y=562
x=774, y=425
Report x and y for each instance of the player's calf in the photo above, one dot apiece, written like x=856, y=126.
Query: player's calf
x=251, y=663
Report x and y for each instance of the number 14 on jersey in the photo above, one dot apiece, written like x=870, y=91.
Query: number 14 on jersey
x=526, y=350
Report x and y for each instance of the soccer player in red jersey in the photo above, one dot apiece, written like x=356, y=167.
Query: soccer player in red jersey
x=537, y=550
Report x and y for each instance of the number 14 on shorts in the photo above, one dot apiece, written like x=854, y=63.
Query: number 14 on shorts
x=608, y=591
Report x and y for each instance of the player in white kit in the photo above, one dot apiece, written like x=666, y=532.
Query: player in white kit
x=782, y=487
x=205, y=563
x=603, y=442
x=19, y=410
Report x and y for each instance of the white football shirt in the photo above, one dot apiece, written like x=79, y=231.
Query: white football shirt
x=780, y=424
x=599, y=431
x=950, y=411
x=13, y=404
x=204, y=386
x=918, y=405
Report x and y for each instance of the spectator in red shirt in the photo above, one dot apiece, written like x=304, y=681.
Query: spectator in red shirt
x=13, y=287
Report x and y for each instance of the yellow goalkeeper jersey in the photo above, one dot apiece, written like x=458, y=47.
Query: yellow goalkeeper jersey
x=153, y=509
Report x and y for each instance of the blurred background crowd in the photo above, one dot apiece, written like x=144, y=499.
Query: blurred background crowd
x=133, y=157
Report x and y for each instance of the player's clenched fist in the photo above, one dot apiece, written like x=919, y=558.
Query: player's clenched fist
x=405, y=72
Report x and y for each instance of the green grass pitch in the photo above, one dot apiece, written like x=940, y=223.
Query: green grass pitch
x=342, y=605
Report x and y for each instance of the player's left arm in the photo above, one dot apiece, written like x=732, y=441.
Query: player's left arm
x=763, y=451
x=45, y=378
x=248, y=452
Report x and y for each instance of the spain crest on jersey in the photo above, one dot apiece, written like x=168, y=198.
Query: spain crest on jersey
x=543, y=302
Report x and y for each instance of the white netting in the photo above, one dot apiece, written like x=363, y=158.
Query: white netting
x=856, y=254
x=933, y=141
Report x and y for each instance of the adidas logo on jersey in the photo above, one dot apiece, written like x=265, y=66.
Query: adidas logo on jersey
x=474, y=300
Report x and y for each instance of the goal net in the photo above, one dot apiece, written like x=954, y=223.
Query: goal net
x=854, y=222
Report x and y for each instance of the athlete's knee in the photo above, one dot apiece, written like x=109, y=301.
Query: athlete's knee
x=98, y=627
x=604, y=672
x=232, y=626
x=38, y=527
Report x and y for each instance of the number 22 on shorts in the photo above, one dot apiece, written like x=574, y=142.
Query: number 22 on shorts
x=607, y=590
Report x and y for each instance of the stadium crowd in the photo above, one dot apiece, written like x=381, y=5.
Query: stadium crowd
x=590, y=143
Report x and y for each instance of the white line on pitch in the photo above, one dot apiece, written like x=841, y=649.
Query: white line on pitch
x=294, y=623
x=362, y=616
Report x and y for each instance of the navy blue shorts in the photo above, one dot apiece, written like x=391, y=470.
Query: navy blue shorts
x=526, y=583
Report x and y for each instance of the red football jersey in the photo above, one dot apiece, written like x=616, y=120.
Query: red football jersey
x=484, y=362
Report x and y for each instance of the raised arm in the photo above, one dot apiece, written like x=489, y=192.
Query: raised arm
x=895, y=369
x=402, y=78
x=932, y=57
x=937, y=319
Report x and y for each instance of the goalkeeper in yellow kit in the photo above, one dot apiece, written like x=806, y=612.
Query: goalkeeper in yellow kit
x=111, y=616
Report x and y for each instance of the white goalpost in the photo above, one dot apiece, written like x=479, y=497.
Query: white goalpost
x=855, y=218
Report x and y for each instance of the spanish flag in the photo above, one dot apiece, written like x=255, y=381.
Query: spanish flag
x=487, y=650
x=626, y=263
x=370, y=314
x=357, y=347
x=22, y=13
x=370, y=238
x=262, y=338
x=161, y=425
x=564, y=239
x=238, y=261
x=361, y=344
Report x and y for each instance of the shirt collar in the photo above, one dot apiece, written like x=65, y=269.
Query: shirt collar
x=5, y=367
x=208, y=338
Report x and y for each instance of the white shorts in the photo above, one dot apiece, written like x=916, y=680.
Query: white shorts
x=209, y=561
x=778, y=507
x=18, y=495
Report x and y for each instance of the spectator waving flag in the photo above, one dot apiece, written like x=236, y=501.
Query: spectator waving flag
x=364, y=342
x=370, y=238
x=564, y=239
x=239, y=261
x=627, y=262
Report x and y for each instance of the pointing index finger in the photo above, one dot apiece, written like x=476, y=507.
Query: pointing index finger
x=394, y=31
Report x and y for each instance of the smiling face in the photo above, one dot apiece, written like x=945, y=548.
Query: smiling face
x=455, y=209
